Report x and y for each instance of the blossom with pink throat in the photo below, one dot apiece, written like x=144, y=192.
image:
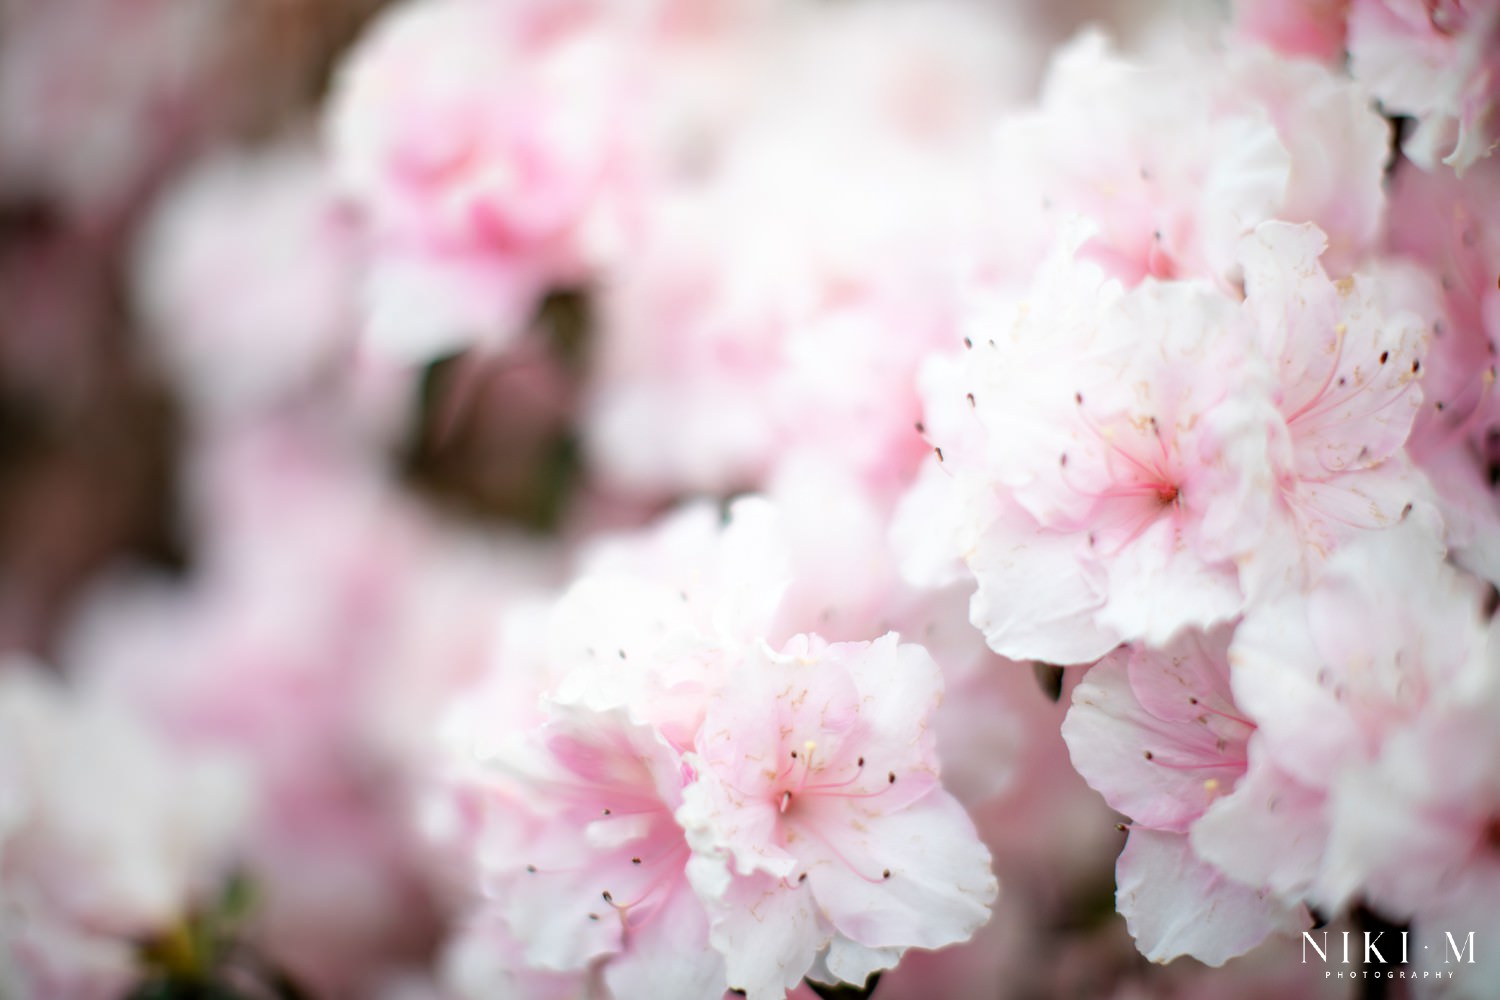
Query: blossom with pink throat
x=477, y=195
x=601, y=873
x=818, y=805
x=1162, y=455
x=1158, y=734
x=1107, y=470
x=1347, y=363
x=608, y=831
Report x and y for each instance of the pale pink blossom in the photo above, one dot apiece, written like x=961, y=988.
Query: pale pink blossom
x=1438, y=62
x=497, y=152
x=713, y=367
x=1347, y=362
x=265, y=654
x=1388, y=635
x=1108, y=471
x=1125, y=464
x=1437, y=223
x=595, y=829
x=1176, y=904
x=97, y=97
x=718, y=340
x=245, y=278
x=1205, y=147
x=818, y=805
x=846, y=584
x=91, y=866
x=477, y=140
x=1158, y=734
x=483, y=960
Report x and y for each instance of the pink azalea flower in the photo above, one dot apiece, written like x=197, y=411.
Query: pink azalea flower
x=245, y=276
x=1347, y=367
x=602, y=871
x=1109, y=473
x=90, y=868
x=98, y=97
x=1107, y=480
x=267, y=655
x=817, y=820
x=1438, y=62
x=1176, y=904
x=1158, y=734
x=484, y=960
x=717, y=341
x=477, y=141
x=1206, y=148
x=595, y=830
x=1437, y=223
x=1387, y=635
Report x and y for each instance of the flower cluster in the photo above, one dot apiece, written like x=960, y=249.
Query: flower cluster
x=692, y=779
x=562, y=499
